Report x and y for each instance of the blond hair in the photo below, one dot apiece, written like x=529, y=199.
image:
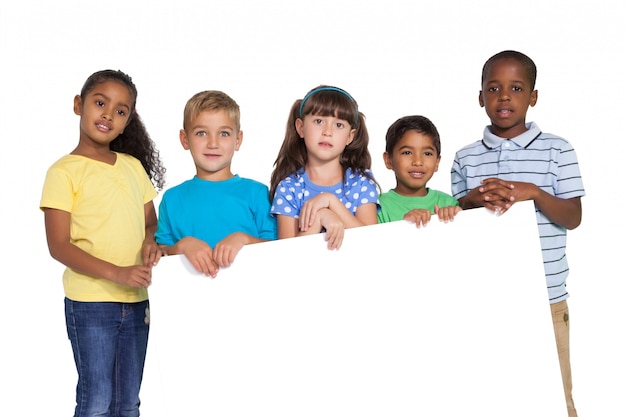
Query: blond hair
x=211, y=100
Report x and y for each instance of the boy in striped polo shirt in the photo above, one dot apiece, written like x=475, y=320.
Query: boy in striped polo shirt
x=516, y=161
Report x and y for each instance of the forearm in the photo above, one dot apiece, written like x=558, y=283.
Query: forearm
x=80, y=261
x=465, y=203
x=244, y=239
x=365, y=214
x=564, y=212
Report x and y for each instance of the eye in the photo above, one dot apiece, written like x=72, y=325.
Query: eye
x=517, y=89
x=318, y=121
x=493, y=89
x=99, y=103
x=340, y=125
x=200, y=133
x=224, y=133
x=121, y=112
x=406, y=153
x=428, y=153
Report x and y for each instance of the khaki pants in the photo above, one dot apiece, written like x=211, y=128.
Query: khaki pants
x=560, y=321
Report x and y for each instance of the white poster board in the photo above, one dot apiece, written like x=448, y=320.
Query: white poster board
x=447, y=320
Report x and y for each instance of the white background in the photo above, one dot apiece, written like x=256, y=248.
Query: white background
x=396, y=58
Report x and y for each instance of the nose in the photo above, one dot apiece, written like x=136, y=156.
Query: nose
x=106, y=114
x=211, y=141
x=328, y=129
x=504, y=96
x=417, y=160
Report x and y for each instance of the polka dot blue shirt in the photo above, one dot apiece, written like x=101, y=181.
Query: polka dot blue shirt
x=297, y=188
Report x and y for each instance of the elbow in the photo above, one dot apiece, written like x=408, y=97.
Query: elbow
x=574, y=223
x=56, y=255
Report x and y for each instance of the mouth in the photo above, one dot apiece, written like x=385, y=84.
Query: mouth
x=417, y=174
x=505, y=112
x=325, y=145
x=103, y=127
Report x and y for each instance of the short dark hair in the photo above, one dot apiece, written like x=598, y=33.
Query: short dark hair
x=524, y=60
x=420, y=124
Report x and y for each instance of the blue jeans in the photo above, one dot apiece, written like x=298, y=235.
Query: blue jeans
x=109, y=341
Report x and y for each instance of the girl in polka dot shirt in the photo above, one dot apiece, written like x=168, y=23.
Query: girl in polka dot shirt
x=322, y=180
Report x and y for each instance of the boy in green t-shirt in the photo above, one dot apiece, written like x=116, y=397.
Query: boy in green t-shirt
x=413, y=152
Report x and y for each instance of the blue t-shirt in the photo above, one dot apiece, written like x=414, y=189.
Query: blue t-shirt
x=212, y=210
x=293, y=191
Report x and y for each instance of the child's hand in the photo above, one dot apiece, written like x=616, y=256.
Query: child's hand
x=137, y=276
x=494, y=194
x=151, y=252
x=523, y=191
x=199, y=254
x=334, y=228
x=446, y=214
x=420, y=217
x=311, y=208
x=225, y=251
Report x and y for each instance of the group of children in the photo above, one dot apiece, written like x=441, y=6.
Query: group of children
x=102, y=225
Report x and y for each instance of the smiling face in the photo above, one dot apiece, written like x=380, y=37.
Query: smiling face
x=325, y=137
x=414, y=160
x=506, y=95
x=105, y=112
x=212, y=138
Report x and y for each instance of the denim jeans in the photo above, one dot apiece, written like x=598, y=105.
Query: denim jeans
x=109, y=341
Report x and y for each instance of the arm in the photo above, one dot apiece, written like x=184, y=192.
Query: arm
x=564, y=212
x=499, y=195
x=61, y=248
x=365, y=214
x=151, y=252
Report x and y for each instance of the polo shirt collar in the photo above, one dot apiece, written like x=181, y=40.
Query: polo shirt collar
x=492, y=141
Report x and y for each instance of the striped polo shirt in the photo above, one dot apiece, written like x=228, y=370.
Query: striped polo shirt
x=545, y=160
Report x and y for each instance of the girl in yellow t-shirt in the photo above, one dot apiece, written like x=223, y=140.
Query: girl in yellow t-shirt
x=100, y=222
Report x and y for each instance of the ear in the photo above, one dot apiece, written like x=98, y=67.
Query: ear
x=239, y=140
x=437, y=164
x=480, y=99
x=183, y=139
x=298, y=124
x=351, y=137
x=388, y=160
x=78, y=105
x=533, y=98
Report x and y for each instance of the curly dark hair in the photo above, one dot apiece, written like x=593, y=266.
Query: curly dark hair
x=135, y=140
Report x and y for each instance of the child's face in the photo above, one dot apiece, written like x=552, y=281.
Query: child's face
x=414, y=160
x=506, y=95
x=325, y=137
x=105, y=112
x=212, y=138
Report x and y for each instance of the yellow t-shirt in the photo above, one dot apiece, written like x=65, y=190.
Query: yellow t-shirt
x=106, y=204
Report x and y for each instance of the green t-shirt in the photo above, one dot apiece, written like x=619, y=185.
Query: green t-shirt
x=394, y=206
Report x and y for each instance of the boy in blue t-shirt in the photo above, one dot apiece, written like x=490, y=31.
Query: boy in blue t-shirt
x=212, y=216
x=413, y=152
x=516, y=161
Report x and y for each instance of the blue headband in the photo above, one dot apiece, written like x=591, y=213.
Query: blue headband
x=339, y=90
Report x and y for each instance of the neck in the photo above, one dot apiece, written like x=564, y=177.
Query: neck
x=329, y=173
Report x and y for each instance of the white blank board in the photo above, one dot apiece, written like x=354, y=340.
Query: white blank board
x=447, y=320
